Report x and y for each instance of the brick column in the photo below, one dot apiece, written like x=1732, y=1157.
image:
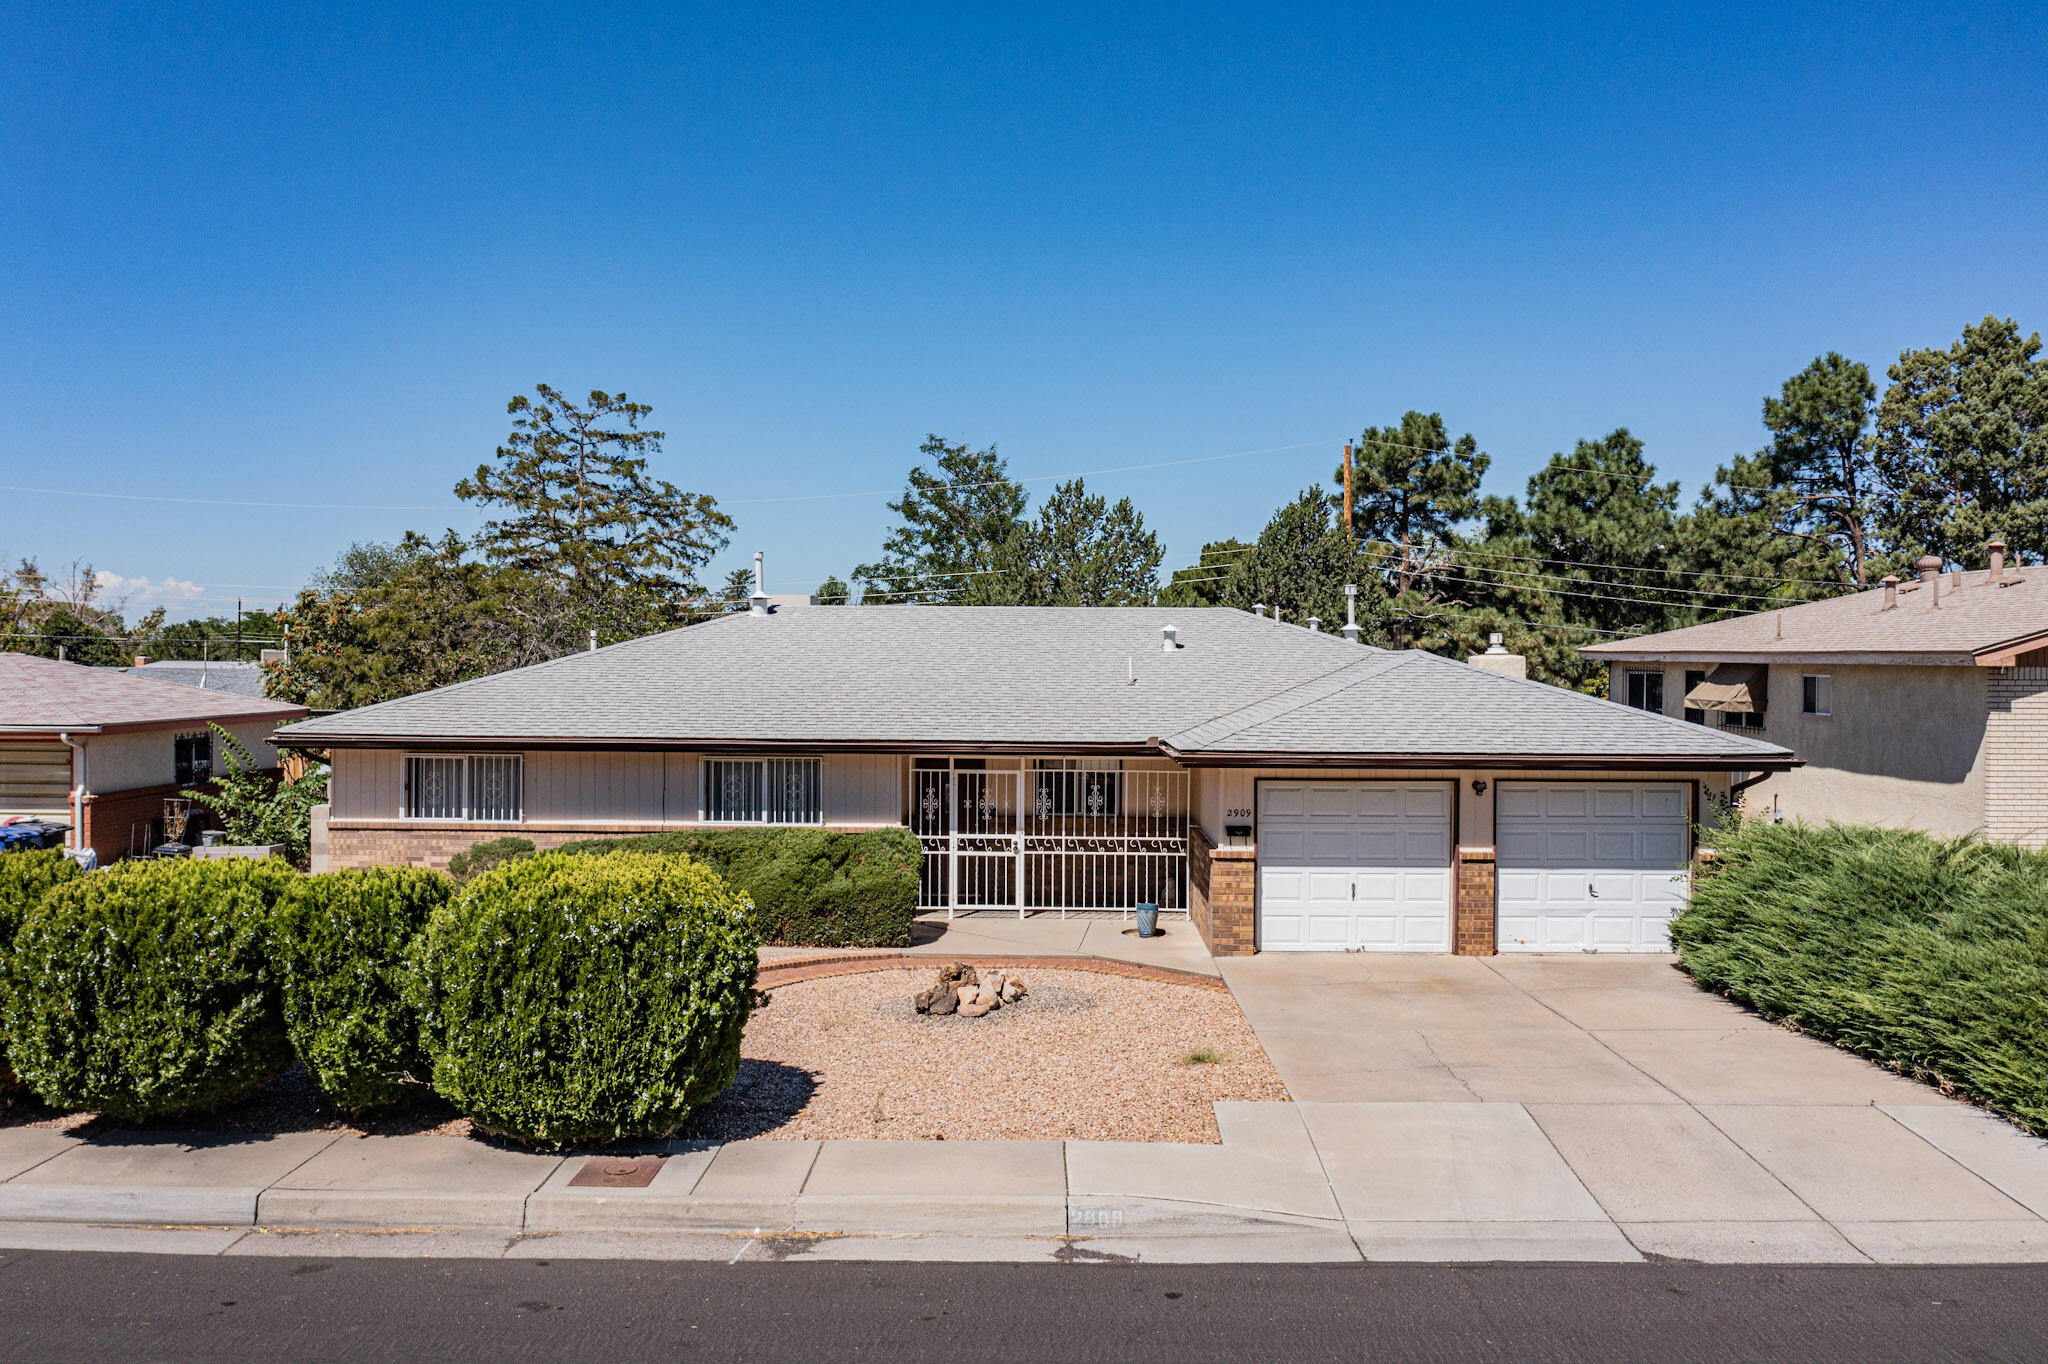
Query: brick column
x=1223, y=896
x=1474, y=911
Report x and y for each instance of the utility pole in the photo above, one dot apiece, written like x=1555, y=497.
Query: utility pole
x=1347, y=491
x=238, y=629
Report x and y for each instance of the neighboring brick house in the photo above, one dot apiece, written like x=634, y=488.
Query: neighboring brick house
x=1286, y=788
x=1918, y=705
x=100, y=749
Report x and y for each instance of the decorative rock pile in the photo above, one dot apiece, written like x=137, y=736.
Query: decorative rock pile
x=961, y=989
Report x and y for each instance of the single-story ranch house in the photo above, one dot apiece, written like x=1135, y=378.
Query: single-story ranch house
x=1921, y=705
x=1288, y=789
x=101, y=749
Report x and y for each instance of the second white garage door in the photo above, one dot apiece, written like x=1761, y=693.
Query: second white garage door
x=1359, y=866
x=1590, y=866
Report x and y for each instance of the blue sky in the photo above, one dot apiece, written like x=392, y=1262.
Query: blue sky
x=306, y=257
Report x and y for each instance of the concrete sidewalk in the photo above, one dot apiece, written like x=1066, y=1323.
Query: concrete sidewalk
x=1323, y=1181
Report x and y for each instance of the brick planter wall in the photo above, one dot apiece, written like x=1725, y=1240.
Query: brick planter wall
x=1474, y=911
x=366, y=843
x=1223, y=898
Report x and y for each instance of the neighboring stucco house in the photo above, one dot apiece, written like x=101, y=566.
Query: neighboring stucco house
x=1288, y=789
x=1921, y=705
x=100, y=748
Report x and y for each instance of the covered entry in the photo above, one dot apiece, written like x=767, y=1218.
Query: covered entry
x=1591, y=866
x=1354, y=866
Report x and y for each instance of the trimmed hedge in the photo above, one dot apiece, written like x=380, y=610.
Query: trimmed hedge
x=809, y=887
x=1928, y=955
x=147, y=990
x=566, y=998
x=342, y=952
x=479, y=858
x=25, y=877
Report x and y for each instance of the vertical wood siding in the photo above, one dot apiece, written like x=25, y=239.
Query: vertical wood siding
x=864, y=789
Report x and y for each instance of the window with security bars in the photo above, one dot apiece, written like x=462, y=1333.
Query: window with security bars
x=474, y=786
x=764, y=791
x=1077, y=786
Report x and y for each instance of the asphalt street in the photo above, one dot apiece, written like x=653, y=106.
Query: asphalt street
x=103, y=1306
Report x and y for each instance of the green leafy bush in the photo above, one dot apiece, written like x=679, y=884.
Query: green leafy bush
x=1928, y=955
x=479, y=858
x=257, y=808
x=570, y=998
x=147, y=990
x=342, y=945
x=24, y=879
x=809, y=887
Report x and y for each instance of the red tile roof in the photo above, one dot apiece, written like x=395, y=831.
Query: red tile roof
x=42, y=693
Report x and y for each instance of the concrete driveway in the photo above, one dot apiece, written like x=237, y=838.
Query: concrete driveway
x=1563, y=1103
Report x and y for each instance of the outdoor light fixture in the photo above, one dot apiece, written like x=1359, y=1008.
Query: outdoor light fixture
x=1478, y=787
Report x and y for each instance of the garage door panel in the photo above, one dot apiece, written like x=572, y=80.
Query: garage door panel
x=1326, y=802
x=1665, y=802
x=1375, y=801
x=1613, y=802
x=1591, y=866
x=1354, y=866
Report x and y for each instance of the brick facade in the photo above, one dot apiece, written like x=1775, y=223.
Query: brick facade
x=367, y=843
x=119, y=823
x=2016, y=757
x=1223, y=895
x=1474, y=911
x=359, y=843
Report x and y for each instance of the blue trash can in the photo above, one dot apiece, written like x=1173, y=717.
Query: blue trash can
x=1148, y=921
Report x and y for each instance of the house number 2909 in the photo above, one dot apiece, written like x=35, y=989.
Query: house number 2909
x=1237, y=814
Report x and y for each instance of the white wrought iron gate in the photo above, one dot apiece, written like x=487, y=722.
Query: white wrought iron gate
x=1051, y=837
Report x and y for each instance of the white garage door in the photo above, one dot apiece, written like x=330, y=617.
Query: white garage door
x=1359, y=866
x=1590, y=866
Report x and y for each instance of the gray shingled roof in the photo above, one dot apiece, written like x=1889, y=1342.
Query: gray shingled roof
x=1418, y=704
x=1974, y=616
x=240, y=679
x=1018, y=676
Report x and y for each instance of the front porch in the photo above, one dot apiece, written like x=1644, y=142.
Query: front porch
x=1051, y=836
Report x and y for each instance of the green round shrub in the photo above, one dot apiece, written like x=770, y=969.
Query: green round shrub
x=567, y=998
x=25, y=877
x=342, y=952
x=146, y=990
x=479, y=858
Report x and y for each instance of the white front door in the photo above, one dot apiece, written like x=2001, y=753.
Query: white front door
x=1590, y=866
x=1354, y=866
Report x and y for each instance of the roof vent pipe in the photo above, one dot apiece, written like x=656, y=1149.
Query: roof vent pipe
x=1351, y=612
x=593, y=641
x=1259, y=609
x=1170, y=638
x=757, y=605
x=1315, y=624
x=1891, y=591
x=1997, y=560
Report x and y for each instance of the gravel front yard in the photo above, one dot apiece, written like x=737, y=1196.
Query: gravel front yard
x=1083, y=1055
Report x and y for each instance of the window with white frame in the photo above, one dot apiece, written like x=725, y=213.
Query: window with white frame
x=1646, y=691
x=470, y=786
x=1817, y=694
x=764, y=791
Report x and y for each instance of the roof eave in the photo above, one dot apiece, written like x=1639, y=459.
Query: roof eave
x=1925, y=658
x=935, y=747
x=1637, y=761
